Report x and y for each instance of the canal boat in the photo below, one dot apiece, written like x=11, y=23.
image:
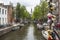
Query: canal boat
x=50, y=34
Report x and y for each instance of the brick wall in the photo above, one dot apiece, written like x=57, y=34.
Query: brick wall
x=9, y=14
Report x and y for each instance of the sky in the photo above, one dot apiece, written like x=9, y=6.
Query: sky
x=28, y=3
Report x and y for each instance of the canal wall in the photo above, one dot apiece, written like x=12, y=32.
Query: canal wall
x=6, y=29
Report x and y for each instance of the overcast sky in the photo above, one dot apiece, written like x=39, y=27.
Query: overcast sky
x=28, y=3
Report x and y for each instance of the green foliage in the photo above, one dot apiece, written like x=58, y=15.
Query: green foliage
x=40, y=11
x=21, y=12
x=18, y=9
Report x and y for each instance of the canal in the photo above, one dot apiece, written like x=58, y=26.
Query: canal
x=25, y=33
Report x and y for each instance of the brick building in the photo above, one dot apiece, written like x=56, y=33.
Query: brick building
x=10, y=18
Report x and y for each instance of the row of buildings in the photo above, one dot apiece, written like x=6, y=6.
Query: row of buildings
x=5, y=14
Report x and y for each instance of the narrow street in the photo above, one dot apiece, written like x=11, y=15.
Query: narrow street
x=25, y=33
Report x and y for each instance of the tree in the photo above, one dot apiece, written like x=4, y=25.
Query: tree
x=21, y=12
x=44, y=8
x=18, y=11
x=37, y=12
x=40, y=10
x=25, y=13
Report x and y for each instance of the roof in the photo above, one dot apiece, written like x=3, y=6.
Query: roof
x=2, y=4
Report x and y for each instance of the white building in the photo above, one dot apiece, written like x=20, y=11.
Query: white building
x=3, y=15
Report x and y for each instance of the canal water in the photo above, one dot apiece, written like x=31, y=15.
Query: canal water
x=25, y=33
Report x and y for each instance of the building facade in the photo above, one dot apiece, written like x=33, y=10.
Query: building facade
x=5, y=14
x=10, y=18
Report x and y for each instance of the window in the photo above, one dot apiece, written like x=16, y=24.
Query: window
x=2, y=11
x=3, y=20
x=5, y=12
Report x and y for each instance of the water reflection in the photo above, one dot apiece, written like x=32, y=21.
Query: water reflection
x=26, y=33
x=30, y=34
x=38, y=34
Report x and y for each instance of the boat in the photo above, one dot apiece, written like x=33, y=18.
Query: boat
x=50, y=34
x=45, y=34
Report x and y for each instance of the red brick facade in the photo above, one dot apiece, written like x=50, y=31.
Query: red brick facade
x=10, y=18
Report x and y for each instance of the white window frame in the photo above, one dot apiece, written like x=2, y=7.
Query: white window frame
x=2, y=11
